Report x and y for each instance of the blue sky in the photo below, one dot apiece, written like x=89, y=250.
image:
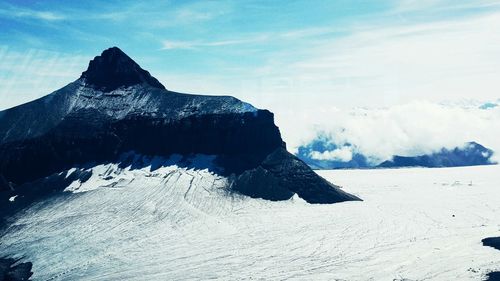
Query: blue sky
x=238, y=47
x=293, y=57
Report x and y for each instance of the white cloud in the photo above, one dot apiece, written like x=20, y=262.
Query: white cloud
x=17, y=12
x=172, y=44
x=410, y=129
x=343, y=154
x=378, y=64
x=187, y=14
x=405, y=6
x=439, y=60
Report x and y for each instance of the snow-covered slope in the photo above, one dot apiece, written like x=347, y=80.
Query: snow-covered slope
x=179, y=223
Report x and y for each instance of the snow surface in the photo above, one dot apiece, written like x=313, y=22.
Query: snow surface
x=176, y=223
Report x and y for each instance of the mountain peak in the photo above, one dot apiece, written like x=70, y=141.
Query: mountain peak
x=114, y=69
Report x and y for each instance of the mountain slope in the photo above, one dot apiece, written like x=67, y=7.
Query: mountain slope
x=115, y=108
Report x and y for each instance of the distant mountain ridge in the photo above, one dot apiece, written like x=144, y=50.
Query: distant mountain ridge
x=471, y=154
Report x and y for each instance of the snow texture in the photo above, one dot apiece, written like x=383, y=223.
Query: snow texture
x=180, y=223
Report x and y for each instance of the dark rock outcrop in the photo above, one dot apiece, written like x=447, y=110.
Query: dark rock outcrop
x=25, y=194
x=78, y=141
x=114, y=69
x=493, y=276
x=288, y=175
x=493, y=242
x=12, y=270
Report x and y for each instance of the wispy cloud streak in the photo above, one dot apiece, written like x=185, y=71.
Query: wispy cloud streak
x=27, y=75
x=9, y=11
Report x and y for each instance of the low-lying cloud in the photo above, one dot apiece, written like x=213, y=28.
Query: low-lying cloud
x=410, y=129
x=343, y=154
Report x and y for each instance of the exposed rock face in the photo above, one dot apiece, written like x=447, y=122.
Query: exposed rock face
x=114, y=69
x=116, y=107
x=78, y=140
x=493, y=276
x=288, y=175
x=12, y=270
x=493, y=242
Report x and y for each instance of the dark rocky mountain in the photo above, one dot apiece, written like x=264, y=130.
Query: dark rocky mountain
x=116, y=107
x=471, y=154
x=114, y=69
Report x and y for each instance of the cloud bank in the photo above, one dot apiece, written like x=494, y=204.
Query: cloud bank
x=343, y=154
x=410, y=129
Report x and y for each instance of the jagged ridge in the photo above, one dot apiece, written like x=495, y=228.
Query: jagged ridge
x=114, y=69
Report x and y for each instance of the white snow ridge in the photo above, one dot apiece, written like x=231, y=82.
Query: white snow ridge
x=178, y=223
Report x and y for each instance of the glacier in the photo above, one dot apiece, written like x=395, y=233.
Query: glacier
x=178, y=222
